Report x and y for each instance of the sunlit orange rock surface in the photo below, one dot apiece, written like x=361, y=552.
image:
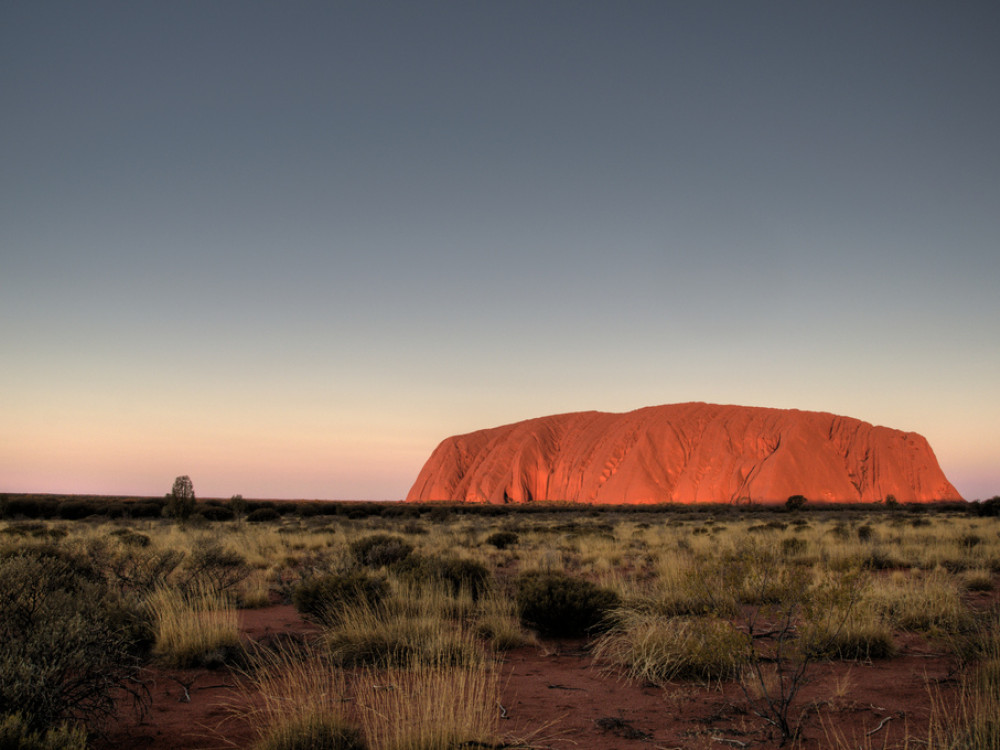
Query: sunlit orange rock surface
x=684, y=453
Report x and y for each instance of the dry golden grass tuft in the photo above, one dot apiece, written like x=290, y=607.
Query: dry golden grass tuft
x=195, y=629
x=294, y=698
x=651, y=648
x=430, y=707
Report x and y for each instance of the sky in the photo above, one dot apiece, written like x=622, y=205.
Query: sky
x=287, y=248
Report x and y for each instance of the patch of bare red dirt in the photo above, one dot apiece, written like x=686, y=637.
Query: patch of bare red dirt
x=554, y=696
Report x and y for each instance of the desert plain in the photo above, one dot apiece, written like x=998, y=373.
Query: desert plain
x=423, y=626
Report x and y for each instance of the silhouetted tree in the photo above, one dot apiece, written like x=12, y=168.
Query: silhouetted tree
x=795, y=502
x=181, y=500
x=238, y=505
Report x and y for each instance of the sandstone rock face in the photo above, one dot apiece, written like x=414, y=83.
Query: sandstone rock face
x=684, y=453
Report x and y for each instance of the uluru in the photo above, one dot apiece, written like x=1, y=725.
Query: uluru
x=684, y=453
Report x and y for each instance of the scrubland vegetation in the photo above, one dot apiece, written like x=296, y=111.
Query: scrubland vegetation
x=416, y=609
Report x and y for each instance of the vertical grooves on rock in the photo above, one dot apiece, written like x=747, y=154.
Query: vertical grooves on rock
x=684, y=453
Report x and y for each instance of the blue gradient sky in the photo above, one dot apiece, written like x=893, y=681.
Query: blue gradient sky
x=286, y=248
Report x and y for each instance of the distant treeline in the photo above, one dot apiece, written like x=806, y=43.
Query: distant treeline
x=74, y=507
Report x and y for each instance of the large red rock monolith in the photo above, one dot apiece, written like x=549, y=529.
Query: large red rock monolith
x=684, y=453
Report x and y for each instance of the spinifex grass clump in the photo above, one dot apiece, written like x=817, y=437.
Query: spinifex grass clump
x=930, y=603
x=975, y=725
x=196, y=629
x=430, y=707
x=979, y=579
x=860, y=635
x=496, y=620
x=655, y=649
x=558, y=605
x=687, y=585
x=298, y=701
x=394, y=634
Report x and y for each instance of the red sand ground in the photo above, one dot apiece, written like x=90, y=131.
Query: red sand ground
x=556, y=698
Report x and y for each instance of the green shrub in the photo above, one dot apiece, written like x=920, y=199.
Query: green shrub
x=217, y=513
x=66, y=654
x=454, y=573
x=377, y=550
x=557, y=605
x=15, y=734
x=146, y=509
x=325, y=597
x=76, y=509
x=795, y=502
x=988, y=508
x=502, y=539
x=138, y=569
x=214, y=567
x=262, y=515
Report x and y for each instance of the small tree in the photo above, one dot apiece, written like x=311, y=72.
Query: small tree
x=181, y=500
x=795, y=502
x=238, y=505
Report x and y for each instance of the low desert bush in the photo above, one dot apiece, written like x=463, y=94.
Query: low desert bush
x=15, y=734
x=217, y=513
x=502, y=539
x=453, y=573
x=138, y=569
x=212, y=567
x=325, y=597
x=76, y=509
x=655, y=649
x=384, y=638
x=197, y=629
x=67, y=651
x=378, y=550
x=558, y=605
x=263, y=515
